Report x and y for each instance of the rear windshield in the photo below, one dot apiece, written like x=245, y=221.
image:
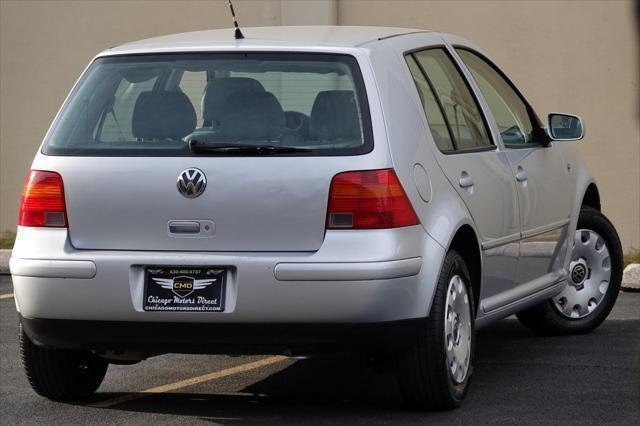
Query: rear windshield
x=155, y=105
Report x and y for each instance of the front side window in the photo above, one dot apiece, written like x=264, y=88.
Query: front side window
x=156, y=105
x=460, y=109
x=508, y=109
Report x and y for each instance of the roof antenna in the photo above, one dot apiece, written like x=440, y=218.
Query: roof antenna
x=239, y=35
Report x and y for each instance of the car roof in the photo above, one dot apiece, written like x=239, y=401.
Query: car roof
x=264, y=37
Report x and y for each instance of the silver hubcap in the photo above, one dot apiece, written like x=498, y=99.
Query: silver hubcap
x=457, y=329
x=589, y=276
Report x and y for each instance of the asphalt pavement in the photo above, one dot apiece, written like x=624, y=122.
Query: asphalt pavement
x=520, y=378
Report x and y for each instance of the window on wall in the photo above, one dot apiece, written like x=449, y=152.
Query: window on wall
x=458, y=106
x=509, y=110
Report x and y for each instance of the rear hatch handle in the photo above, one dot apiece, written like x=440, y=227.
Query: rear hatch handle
x=184, y=227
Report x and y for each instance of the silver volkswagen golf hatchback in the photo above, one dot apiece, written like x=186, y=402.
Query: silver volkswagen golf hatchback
x=305, y=190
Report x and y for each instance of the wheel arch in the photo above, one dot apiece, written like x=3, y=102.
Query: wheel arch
x=591, y=197
x=465, y=242
x=585, y=193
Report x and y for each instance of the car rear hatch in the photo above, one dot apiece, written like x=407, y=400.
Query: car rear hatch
x=271, y=130
x=253, y=204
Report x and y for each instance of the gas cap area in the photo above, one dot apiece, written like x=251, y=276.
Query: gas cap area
x=422, y=181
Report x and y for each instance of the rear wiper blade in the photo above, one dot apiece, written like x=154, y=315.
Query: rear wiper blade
x=224, y=148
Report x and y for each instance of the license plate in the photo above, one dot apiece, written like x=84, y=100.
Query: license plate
x=184, y=289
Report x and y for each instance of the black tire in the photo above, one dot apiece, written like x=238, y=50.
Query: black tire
x=545, y=318
x=61, y=375
x=422, y=368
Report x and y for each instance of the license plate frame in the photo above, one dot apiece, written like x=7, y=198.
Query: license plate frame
x=184, y=289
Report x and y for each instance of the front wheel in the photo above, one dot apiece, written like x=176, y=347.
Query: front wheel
x=60, y=374
x=434, y=372
x=595, y=273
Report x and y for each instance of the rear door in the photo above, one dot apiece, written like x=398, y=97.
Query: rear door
x=121, y=145
x=475, y=168
x=539, y=171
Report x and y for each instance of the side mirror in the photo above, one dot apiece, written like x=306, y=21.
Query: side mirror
x=565, y=127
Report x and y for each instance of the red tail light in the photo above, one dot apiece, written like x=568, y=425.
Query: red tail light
x=43, y=201
x=369, y=199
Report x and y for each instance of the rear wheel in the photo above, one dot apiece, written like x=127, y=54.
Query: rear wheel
x=59, y=374
x=434, y=372
x=595, y=273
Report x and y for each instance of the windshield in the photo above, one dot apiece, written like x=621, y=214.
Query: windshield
x=156, y=105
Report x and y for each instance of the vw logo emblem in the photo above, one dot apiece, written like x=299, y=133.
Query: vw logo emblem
x=579, y=273
x=191, y=182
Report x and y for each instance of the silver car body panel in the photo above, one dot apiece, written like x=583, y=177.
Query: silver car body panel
x=254, y=294
x=255, y=203
x=285, y=267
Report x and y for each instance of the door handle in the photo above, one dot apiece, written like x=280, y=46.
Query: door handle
x=521, y=175
x=465, y=180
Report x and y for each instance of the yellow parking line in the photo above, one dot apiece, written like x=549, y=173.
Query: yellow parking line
x=6, y=296
x=190, y=382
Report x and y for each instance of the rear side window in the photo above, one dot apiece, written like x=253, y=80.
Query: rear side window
x=437, y=123
x=154, y=105
x=458, y=108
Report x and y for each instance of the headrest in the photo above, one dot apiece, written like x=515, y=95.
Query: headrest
x=334, y=116
x=217, y=92
x=250, y=115
x=163, y=115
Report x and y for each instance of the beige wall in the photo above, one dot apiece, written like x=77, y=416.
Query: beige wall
x=565, y=56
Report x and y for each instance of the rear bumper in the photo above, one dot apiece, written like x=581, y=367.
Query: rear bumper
x=348, y=271
x=343, y=271
x=212, y=338
x=52, y=268
x=356, y=277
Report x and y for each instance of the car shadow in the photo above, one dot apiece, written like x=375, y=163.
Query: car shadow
x=513, y=365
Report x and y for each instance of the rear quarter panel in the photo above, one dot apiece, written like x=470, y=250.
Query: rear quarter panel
x=410, y=143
